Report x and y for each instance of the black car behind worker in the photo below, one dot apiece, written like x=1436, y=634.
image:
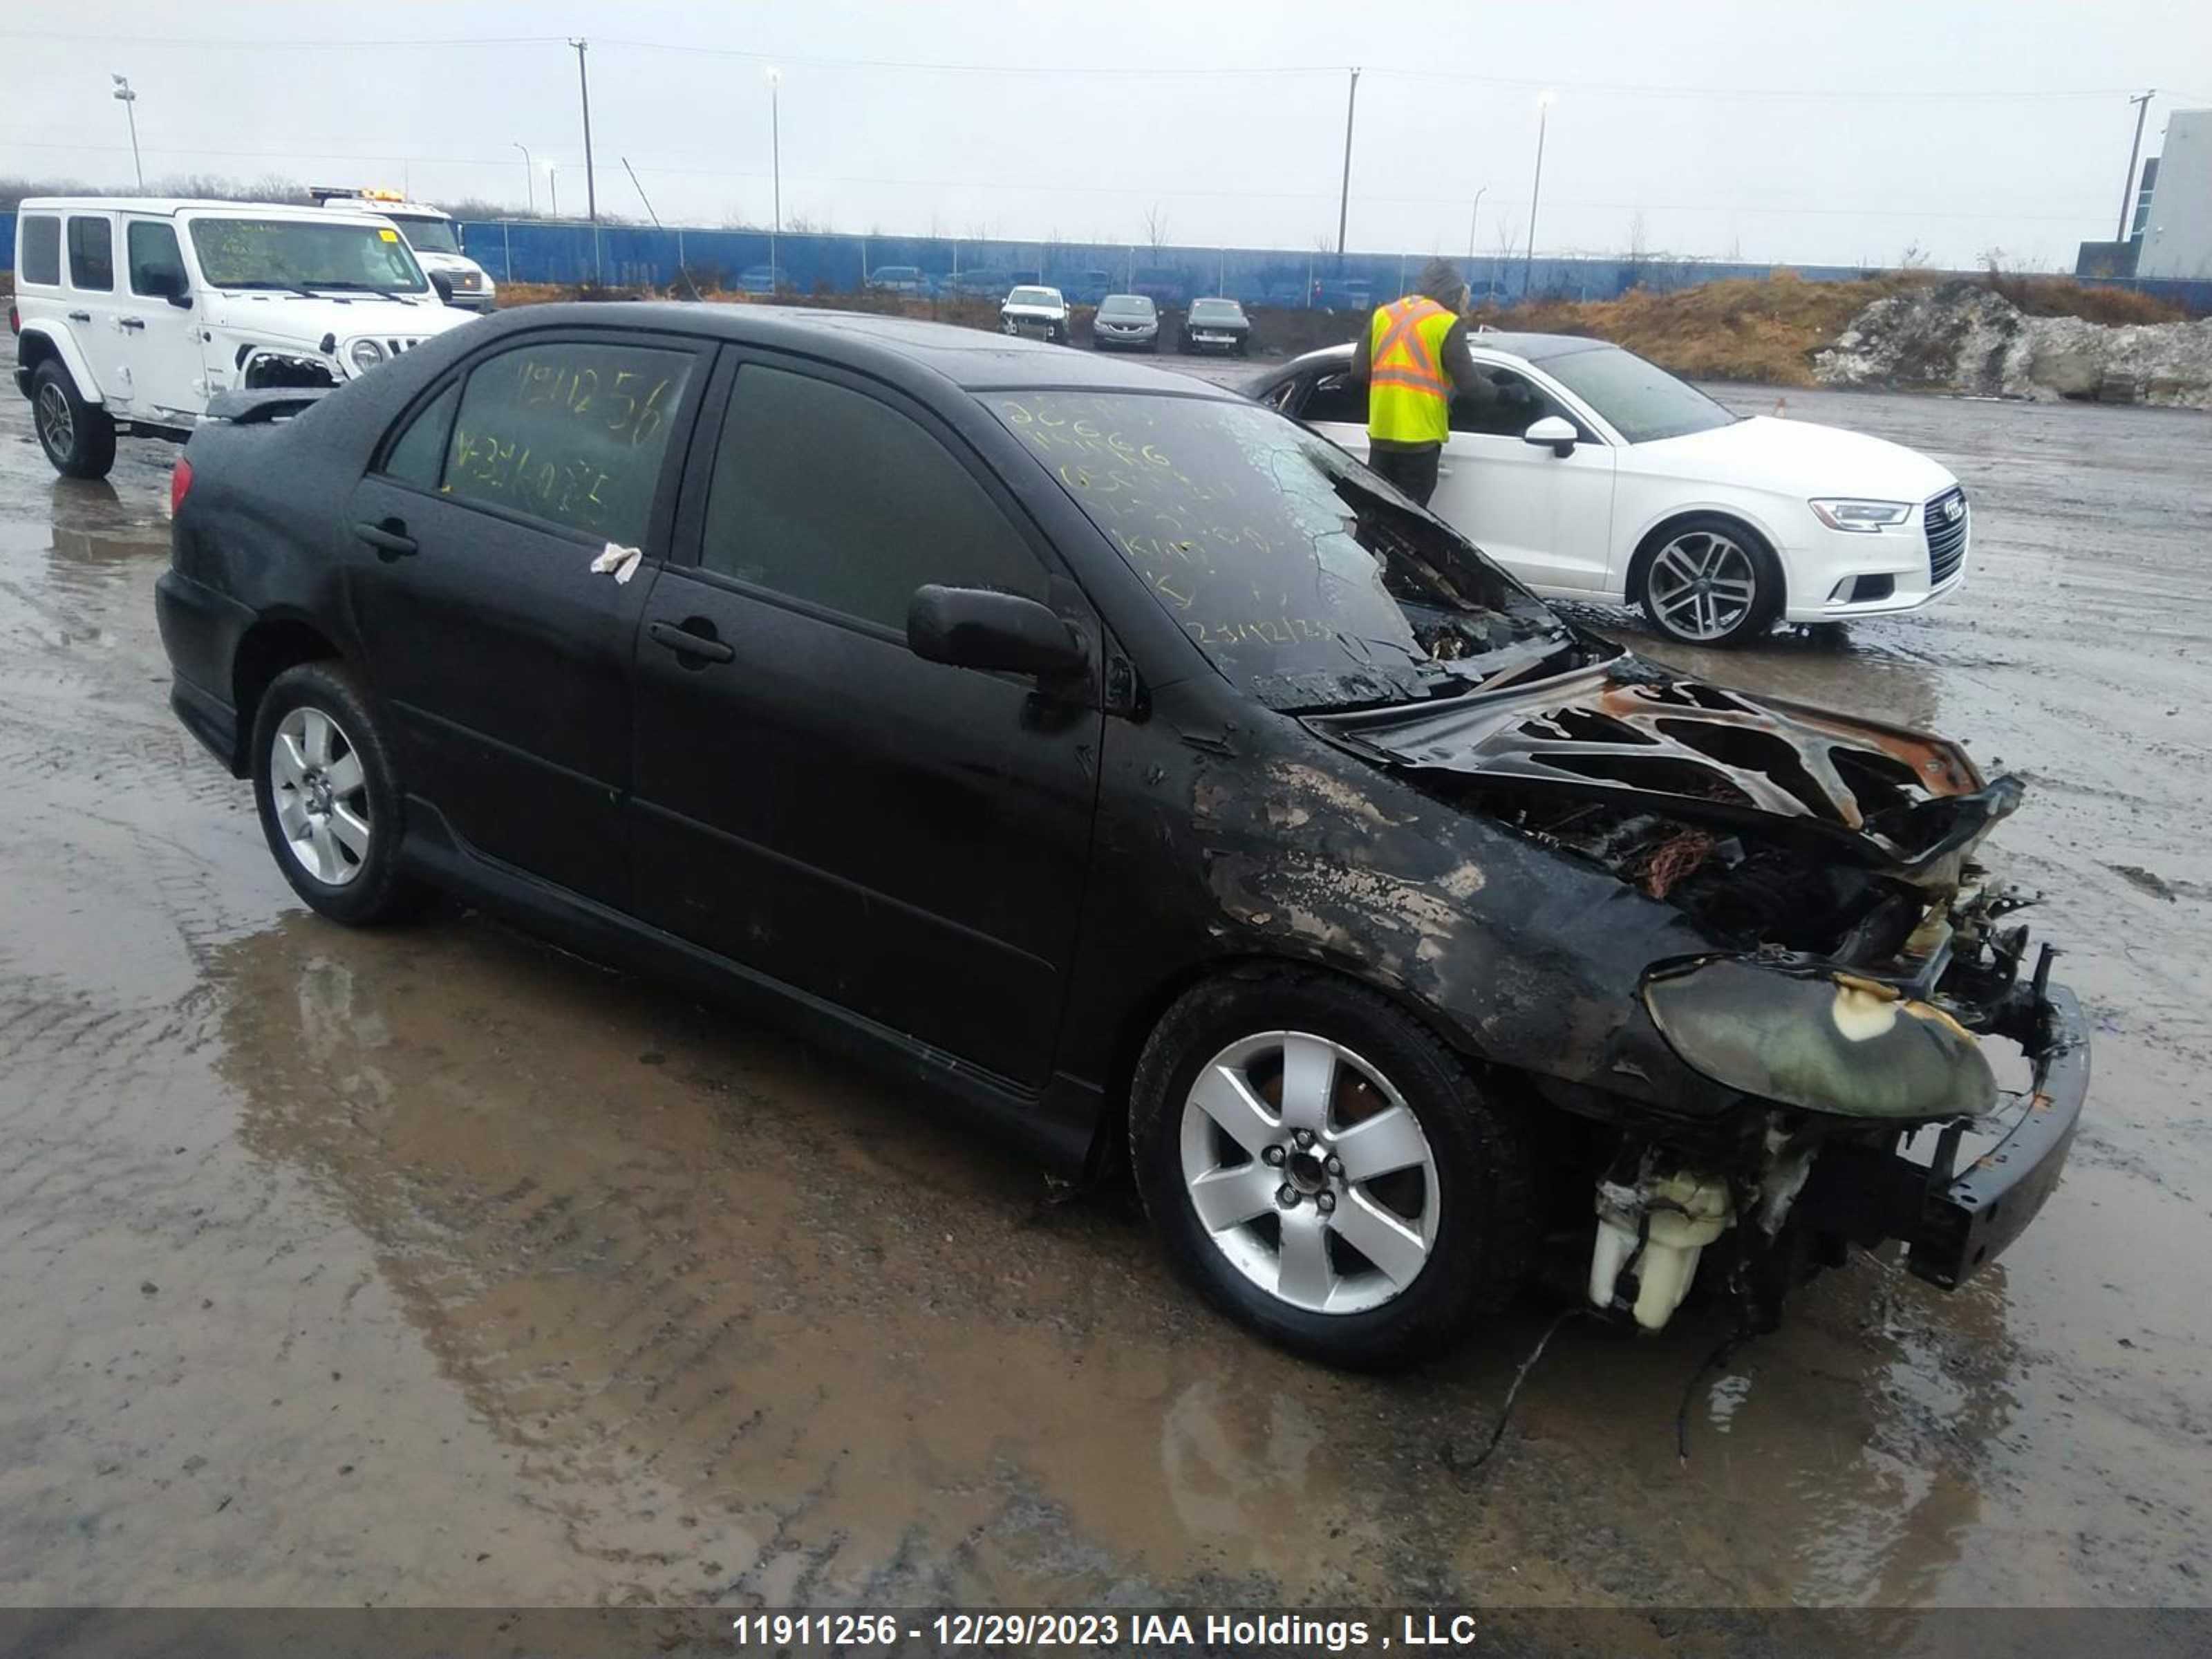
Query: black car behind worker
x=1414, y=360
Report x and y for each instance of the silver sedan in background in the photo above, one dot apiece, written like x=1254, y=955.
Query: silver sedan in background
x=1127, y=319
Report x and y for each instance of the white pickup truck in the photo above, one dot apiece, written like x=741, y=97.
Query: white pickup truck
x=131, y=314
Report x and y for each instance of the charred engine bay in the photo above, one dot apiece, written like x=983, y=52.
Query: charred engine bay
x=1767, y=824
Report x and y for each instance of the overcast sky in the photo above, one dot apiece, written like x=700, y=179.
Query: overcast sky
x=1838, y=132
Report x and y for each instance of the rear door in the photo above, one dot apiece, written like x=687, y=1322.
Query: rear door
x=503, y=654
x=89, y=274
x=901, y=838
x=1546, y=517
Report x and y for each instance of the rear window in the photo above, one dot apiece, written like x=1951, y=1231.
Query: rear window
x=91, y=253
x=40, y=243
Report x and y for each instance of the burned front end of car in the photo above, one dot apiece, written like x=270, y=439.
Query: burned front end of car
x=1890, y=1057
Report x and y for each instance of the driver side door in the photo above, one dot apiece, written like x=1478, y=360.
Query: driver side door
x=1546, y=517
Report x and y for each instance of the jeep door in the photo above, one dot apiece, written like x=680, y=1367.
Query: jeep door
x=504, y=657
x=903, y=838
x=162, y=339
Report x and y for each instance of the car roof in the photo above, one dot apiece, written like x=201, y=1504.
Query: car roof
x=1530, y=348
x=168, y=205
x=975, y=360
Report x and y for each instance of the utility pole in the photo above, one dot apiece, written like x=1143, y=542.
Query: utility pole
x=1544, y=102
x=1473, y=219
x=590, y=186
x=129, y=99
x=1343, y=197
x=2128, y=183
x=529, y=176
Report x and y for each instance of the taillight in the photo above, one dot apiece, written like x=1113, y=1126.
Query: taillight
x=180, y=484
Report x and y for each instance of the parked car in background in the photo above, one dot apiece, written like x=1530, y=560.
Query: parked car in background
x=1215, y=325
x=1038, y=312
x=979, y=284
x=132, y=314
x=1345, y=294
x=1600, y=476
x=764, y=279
x=910, y=280
x=1126, y=320
x=1228, y=820
x=459, y=279
x=1086, y=287
x=1164, y=285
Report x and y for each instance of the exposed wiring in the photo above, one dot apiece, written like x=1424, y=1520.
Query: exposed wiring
x=1505, y=1410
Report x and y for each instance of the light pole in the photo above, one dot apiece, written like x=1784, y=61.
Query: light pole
x=529, y=176
x=1343, y=194
x=591, y=186
x=1473, y=219
x=775, y=164
x=2127, y=185
x=1544, y=102
x=127, y=98
x=553, y=183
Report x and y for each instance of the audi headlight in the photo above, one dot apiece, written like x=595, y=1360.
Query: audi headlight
x=364, y=355
x=1812, y=1036
x=1848, y=512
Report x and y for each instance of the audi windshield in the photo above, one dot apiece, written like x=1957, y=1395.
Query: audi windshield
x=1303, y=577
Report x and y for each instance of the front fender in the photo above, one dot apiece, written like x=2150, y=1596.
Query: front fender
x=65, y=346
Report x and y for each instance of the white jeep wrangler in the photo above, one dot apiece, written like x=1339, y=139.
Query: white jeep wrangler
x=131, y=315
x=459, y=279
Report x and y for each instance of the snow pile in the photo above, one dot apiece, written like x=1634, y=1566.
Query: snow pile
x=1961, y=337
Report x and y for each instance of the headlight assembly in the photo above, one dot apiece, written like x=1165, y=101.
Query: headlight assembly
x=1845, y=513
x=364, y=355
x=1815, y=1037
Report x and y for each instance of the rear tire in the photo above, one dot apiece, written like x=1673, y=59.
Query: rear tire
x=329, y=796
x=78, y=437
x=1406, y=1259
x=1710, y=580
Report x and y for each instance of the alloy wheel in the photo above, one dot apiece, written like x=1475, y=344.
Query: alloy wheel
x=320, y=792
x=1309, y=1172
x=1702, y=585
x=57, y=426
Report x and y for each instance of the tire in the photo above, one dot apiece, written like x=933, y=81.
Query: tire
x=1710, y=547
x=320, y=710
x=1463, y=1214
x=78, y=437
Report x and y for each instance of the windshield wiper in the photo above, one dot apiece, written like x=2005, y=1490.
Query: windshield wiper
x=275, y=285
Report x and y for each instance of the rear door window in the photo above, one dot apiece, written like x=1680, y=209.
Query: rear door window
x=41, y=260
x=92, y=254
x=570, y=432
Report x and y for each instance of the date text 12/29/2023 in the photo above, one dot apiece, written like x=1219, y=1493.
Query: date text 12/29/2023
x=949, y=1631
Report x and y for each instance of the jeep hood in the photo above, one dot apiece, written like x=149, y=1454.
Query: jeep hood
x=296, y=319
x=1631, y=734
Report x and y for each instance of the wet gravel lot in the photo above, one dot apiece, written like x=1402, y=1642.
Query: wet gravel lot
x=432, y=1266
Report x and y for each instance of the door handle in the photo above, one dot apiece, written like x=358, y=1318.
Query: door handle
x=130, y=322
x=80, y=316
x=389, y=538
x=685, y=643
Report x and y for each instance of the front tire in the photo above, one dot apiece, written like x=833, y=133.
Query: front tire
x=78, y=437
x=1711, y=580
x=1325, y=1171
x=329, y=796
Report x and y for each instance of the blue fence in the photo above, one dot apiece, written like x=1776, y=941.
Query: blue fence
x=542, y=250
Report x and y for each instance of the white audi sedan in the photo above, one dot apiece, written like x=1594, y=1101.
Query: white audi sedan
x=1602, y=477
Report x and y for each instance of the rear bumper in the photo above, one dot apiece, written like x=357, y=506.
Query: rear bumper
x=200, y=630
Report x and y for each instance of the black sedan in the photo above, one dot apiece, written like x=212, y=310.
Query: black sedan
x=1215, y=325
x=1110, y=756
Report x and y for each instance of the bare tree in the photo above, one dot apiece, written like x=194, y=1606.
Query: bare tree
x=1156, y=230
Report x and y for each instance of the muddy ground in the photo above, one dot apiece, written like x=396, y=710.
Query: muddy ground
x=431, y=1265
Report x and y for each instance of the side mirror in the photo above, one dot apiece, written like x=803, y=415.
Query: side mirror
x=1553, y=431
x=443, y=284
x=976, y=627
x=170, y=284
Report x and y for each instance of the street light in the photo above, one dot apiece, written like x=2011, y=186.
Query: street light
x=1544, y=102
x=1473, y=219
x=529, y=176
x=553, y=183
x=125, y=97
x=776, y=153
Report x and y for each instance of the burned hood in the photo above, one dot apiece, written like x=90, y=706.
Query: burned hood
x=1638, y=734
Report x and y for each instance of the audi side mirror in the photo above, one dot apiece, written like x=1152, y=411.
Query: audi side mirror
x=1553, y=432
x=977, y=627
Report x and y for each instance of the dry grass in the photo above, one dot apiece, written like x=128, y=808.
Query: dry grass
x=2061, y=296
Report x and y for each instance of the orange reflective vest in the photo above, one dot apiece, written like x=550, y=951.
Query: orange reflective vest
x=1409, y=394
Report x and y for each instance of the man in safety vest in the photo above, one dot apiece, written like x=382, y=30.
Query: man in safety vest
x=1414, y=360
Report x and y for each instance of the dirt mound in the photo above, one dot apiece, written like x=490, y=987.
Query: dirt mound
x=1965, y=337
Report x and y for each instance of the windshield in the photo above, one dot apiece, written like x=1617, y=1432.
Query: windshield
x=1304, y=579
x=1125, y=305
x=1215, y=311
x=426, y=235
x=1643, y=401
x=1033, y=296
x=898, y=273
x=301, y=254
